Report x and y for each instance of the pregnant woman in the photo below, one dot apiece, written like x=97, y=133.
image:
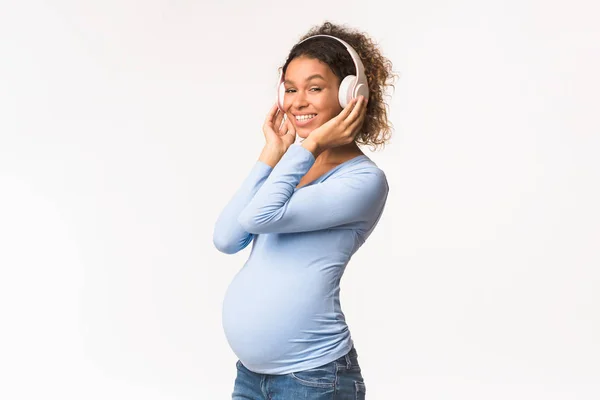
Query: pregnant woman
x=306, y=208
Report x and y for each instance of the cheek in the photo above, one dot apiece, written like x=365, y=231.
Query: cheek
x=330, y=101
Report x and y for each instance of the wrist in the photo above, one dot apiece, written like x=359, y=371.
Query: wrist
x=313, y=146
x=270, y=156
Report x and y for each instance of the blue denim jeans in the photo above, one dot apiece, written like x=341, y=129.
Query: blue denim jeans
x=338, y=380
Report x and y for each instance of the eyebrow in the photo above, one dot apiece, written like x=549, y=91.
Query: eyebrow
x=315, y=76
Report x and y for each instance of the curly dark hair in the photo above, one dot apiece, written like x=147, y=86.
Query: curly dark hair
x=376, y=129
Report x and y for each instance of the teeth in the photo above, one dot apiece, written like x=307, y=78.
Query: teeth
x=305, y=117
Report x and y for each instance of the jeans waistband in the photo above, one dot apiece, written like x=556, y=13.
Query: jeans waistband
x=350, y=359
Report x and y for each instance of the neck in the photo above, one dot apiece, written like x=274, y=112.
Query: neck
x=337, y=155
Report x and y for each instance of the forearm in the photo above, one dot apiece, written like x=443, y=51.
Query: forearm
x=352, y=199
x=228, y=235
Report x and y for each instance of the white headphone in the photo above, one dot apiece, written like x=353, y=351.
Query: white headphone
x=351, y=86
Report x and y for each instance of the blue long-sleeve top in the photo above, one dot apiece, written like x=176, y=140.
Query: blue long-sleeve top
x=281, y=312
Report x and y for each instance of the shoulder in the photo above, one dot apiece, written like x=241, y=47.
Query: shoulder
x=366, y=179
x=366, y=170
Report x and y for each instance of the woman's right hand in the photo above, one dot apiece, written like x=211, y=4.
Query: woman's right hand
x=279, y=136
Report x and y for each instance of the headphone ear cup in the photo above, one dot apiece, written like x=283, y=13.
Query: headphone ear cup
x=361, y=90
x=280, y=95
x=345, y=92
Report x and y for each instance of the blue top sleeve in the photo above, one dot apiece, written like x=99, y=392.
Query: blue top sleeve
x=229, y=236
x=351, y=200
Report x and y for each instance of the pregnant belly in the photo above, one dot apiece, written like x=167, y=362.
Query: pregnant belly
x=274, y=315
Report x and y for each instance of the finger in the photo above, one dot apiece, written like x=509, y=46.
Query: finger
x=290, y=135
x=291, y=128
x=354, y=111
x=268, y=124
x=357, y=123
x=348, y=115
x=347, y=110
x=292, y=120
x=271, y=114
x=357, y=109
x=363, y=107
x=278, y=125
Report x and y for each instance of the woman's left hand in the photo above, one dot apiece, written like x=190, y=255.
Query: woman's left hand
x=341, y=129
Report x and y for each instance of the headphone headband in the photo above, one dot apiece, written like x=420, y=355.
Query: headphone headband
x=360, y=70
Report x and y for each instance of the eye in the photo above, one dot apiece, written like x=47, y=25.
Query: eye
x=316, y=89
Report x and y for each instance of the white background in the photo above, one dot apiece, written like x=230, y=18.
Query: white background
x=125, y=127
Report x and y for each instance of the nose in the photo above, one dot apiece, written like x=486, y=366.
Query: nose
x=299, y=100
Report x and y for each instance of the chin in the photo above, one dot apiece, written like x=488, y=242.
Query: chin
x=303, y=133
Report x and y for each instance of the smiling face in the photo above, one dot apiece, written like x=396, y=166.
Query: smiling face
x=311, y=93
